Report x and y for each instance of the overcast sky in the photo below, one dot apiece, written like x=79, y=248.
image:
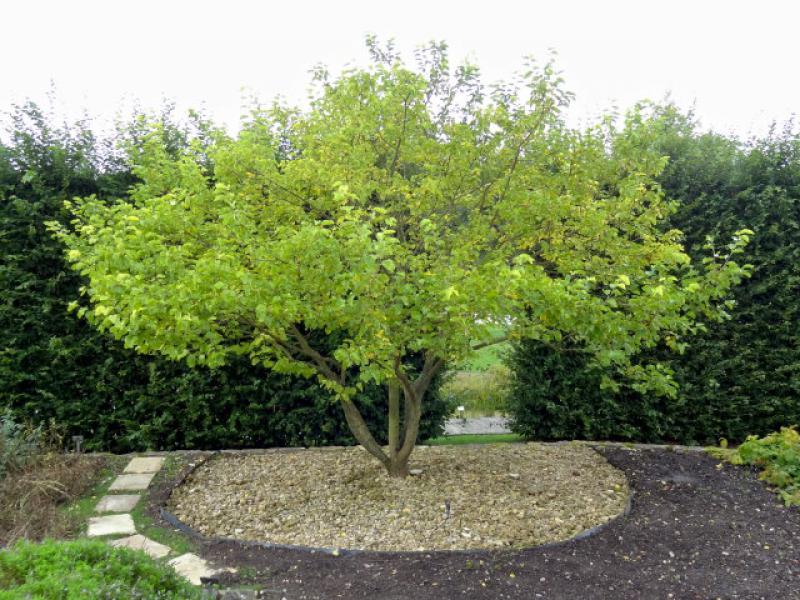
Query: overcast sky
x=736, y=61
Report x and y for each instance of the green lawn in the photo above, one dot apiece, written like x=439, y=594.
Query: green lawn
x=475, y=438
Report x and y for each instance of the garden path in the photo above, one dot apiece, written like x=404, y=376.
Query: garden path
x=136, y=477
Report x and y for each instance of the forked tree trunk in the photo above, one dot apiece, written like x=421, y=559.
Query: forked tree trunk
x=400, y=446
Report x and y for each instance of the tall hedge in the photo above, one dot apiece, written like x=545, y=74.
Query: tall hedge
x=53, y=365
x=740, y=377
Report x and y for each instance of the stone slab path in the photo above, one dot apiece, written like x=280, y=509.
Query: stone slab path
x=145, y=464
x=136, y=477
x=132, y=482
x=140, y=542
x=117, y=503
x=192, y=567
x=111, y=525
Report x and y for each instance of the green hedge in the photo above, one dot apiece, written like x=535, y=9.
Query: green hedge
x=740, y=377
x=53, y=366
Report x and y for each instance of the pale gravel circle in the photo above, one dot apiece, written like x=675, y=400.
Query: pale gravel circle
x=499, y=496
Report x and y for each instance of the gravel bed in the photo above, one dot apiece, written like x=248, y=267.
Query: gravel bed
x=490, y=496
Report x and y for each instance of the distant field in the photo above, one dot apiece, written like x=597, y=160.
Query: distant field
x=481, y=393
x=487, y=357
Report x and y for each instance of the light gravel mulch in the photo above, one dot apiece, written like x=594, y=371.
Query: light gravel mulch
x=490, y=496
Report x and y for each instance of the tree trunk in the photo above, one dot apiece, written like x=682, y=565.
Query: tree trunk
x=411, y=417
x=362, y=433
x=396, y=461
x=394, y=419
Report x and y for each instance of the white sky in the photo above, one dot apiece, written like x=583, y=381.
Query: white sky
x=737, y=61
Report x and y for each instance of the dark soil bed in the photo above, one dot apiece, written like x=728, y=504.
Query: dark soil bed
x=695, y=531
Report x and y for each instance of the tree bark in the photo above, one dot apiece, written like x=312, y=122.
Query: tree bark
x=361, y=432
x=394, y=419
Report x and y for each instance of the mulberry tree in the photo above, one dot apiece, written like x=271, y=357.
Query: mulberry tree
x=406, y=212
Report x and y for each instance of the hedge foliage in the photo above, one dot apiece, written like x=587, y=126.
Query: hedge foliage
x=54, y=366
x=740, y=377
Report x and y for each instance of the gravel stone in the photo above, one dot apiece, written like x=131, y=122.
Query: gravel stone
x=468, y=497
x=459, y=426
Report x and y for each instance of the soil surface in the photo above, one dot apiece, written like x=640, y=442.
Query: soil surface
x=696, y=530
x=458, y=498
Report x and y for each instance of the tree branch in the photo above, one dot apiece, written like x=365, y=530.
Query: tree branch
x=324, y=364
x=500, y=340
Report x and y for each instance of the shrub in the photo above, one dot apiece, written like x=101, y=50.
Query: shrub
x=778, y=455
x=86, y=570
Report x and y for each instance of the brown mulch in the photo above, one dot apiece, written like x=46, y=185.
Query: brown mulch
x=31, y=497
x=695, y=531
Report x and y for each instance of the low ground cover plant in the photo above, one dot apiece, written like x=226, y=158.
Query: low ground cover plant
x=778, y=455
x=86, y=570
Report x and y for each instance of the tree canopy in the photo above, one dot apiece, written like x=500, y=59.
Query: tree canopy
x=406, y=211
x=738, y=376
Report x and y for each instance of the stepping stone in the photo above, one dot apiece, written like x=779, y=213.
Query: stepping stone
x=111, y=525
x=139, y=542
x=117, y=503
x=132, y=481
x=144, y=464
x=192, y=567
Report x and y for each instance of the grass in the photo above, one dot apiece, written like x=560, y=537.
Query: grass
x=475, y=438
x=38, y=480
x=485, y=358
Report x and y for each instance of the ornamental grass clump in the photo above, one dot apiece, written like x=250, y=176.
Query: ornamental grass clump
x=36, y=479
x=18, y=444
